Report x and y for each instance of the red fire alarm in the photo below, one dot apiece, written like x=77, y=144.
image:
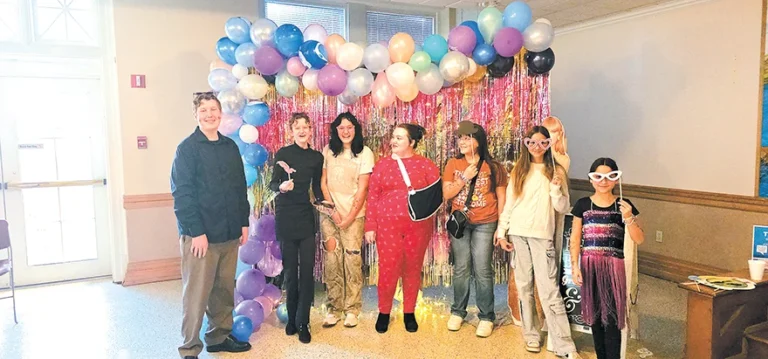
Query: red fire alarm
x=141, y=142
x=138, y=81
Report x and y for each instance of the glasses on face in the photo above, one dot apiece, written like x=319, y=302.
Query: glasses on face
x=611, y=176
x=543, y=144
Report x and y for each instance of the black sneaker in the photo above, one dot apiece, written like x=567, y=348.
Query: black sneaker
x=230, y=345
x=290, y=329
x=410, y=322
x=304, y=335
x=382, y=323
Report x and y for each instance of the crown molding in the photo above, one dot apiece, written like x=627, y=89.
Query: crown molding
x=632, y=14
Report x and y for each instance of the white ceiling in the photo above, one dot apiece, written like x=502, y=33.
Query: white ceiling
x=559, y=12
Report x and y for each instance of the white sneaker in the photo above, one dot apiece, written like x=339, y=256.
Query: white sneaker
x=533, y=346
x=330, y=320
x=455, y=322
x=572, y=355
x=484, y=329
x=350, y=321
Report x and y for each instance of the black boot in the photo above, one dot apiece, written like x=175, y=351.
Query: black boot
x=410, y=322
x=230, y=345
x=382, y=323
x=304, y=335
x=290, y=329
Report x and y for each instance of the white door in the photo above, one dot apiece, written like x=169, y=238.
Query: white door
x=53, y=169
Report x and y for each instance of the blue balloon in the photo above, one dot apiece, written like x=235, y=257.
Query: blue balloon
x=282, y=313
x=256, y=113
x=473, y=25
x=242, y=327
x=313, y=55
x=517, y=15
x=240, y=144
x=244, y=54
x=242, y=267
x=251, y=174
x=288, y=39
x=238, y=30
x=484, y=54
x=255, y=155
x=436, y=46
x=225, y=48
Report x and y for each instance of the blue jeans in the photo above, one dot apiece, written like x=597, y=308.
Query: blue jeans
x=473, y=254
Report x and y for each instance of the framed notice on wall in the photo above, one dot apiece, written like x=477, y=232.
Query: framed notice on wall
x=760, y=242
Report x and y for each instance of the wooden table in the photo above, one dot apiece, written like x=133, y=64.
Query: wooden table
x=716, y=320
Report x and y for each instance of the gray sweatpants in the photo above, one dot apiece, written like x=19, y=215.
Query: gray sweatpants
x=537, y=257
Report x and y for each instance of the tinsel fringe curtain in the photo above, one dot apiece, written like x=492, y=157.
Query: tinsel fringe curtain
x=506, y=107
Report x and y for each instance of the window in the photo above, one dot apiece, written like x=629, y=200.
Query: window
x=10, y=29
x=66, y=21
x=333, y=19
x=382, y=26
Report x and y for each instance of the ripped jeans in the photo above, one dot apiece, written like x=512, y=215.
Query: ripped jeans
x=537, y=257
x=343, y=271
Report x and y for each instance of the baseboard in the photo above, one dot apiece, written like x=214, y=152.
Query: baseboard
x=672, y=269
x=152, y=271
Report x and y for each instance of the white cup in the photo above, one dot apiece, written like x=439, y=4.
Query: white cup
x=756, y=269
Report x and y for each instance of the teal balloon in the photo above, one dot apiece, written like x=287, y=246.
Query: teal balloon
x=517, y=15
x=436, y=47
x=282, y=313
x=288, y=40
x=251, y=174
x=225, y=49
x=489, y=21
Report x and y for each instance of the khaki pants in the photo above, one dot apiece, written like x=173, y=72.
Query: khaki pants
x=536, y=258
x=343, y=266
x=208, y=288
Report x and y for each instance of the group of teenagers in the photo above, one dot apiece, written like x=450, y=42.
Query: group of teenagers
x=359, y=198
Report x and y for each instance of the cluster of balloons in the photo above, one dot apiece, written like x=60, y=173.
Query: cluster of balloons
x=262, y=52
x=259, y=258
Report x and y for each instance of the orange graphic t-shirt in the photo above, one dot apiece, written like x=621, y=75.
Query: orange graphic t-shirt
x=484, y=207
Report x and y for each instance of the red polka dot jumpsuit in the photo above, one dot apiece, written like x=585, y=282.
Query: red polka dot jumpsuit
x=401, y=242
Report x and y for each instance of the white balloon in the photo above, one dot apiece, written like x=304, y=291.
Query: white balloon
x=360, y=82
x=429, y=81
x=538, y=37
x=472, y=68
x=376, y=58
x=543, y=20
x=349, y=56
x=249, y=134
x=253, y=86
x=454, y=66
x=232, y=101
x=309, y=79
x=239, y=71
x=400, y=75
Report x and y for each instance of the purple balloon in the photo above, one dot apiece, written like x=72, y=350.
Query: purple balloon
x=265, y=229
x=266, y=304
x=273, y=293
x=238, y=298
x=332, y=80
x=508, y=42
x=252, y=252
x=274, y=250
x=463, y=39
x=271, y=266
x=267, y=60
x=251, y=283
x=253, y=310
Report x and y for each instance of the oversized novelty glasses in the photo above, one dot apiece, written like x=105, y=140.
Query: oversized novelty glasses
x=611, y=176
x=543, y=144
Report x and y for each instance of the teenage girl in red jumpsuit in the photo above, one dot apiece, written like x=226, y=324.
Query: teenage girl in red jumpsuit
x=401, y=242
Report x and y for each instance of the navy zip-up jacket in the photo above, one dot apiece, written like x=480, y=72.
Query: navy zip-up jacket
x=208, y=187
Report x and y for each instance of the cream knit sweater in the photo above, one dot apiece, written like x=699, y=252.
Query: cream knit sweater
x=533, y=213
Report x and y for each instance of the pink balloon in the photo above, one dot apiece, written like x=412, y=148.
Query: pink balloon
x=229, y=124
x=463, y=39
x=332, y=80
x=273, y=293
x=266, y=304
x=383, y=94
x=267, y=60
x=295, y=67
x=508, y=42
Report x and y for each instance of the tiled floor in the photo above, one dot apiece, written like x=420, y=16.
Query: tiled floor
x=98, y=319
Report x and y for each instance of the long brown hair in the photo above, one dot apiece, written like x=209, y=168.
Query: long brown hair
x=523, y=165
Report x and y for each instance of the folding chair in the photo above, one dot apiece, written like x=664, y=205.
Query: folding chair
x=6, y=265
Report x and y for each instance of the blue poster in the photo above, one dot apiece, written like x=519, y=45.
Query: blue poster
x=760, y=242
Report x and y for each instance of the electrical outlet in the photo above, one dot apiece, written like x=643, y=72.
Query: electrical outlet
x=659, y=236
